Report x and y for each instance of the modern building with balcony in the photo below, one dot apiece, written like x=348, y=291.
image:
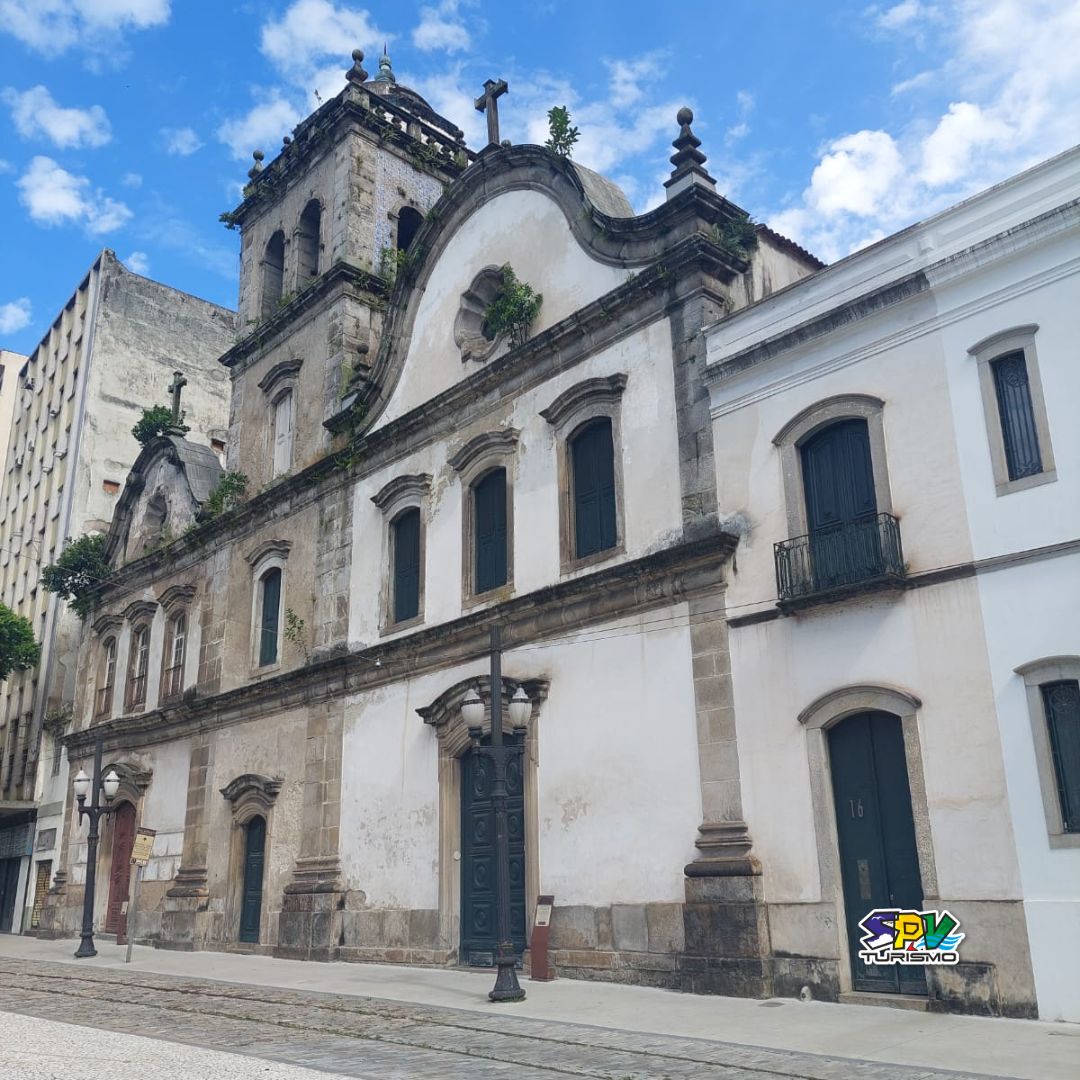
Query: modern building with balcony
x=896, y=443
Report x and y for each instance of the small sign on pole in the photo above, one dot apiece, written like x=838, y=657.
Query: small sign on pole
x=141, y=850
x=538, y=946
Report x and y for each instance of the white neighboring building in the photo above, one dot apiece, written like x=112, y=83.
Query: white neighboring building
x=110, y=353
x=921, y=393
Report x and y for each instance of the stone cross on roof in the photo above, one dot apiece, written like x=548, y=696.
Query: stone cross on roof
x=178, y=384
x=489, y=103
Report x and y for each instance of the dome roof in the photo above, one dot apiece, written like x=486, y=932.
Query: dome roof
x=385, y=84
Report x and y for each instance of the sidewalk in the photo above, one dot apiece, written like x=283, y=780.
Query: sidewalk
x=1013, y=1048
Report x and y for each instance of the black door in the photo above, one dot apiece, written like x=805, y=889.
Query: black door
x=478, y=856
x=879, y=862
x=841, y=506
x=254, y=852
x=9, y=885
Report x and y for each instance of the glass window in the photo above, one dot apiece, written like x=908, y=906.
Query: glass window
x=137, y=666
x=283, y=433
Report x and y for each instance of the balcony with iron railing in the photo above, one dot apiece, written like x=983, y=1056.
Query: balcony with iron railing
x=835, y=561
x=136, y=692
x=103, y=702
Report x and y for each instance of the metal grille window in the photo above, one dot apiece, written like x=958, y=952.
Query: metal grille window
x=1017, y=416
x=1062, y=703
x=140, y=660
x=489, y=524
x=108, y=679
x=173, y=678
x=592, y=455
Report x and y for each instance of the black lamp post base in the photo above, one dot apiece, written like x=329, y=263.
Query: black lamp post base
x=506, y=986
x=86, y=948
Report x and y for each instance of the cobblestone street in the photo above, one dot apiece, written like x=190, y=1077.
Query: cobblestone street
x=366, y=1037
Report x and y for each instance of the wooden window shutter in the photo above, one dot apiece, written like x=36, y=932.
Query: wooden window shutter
x=489, y=527
x=592, y=454
x=406, y=570
x=268, y=627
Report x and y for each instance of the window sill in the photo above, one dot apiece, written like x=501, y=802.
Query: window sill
x=262, y=671
x=569, y=566
x=492, y=596
x=1007, y=487
x=1064, y=840
x=405, y=624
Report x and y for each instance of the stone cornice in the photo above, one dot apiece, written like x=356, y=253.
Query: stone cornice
x=286, y=369
x=280, y=548
x=176, y=596
x=140, y=609
x=666, y=577
x=416, y=485
x=606, y=389
x=266, y=787
x=323, y=289
x=494, y=443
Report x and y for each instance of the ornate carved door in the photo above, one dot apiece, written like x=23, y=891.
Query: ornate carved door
x=120, y=876
x=254, y=858
x=478, y=857
x=879, y=860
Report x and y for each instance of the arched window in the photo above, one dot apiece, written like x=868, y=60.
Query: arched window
x=172, y=682
x=104, y=703
x=307, y=237
x=269, y=616
x=489, y=531
x=138, y=663
x=592, y=462
x=409, y=221
x=284, y=412
x=273, y=273
x=405, y=561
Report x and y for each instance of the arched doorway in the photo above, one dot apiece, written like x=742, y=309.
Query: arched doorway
x=123, y=839
x=254, y=861
x=879, y=860
x=478, y=868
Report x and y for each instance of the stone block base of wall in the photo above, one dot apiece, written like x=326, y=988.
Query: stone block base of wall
x=309, y=926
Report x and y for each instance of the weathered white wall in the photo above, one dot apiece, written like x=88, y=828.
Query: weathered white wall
x=616, y=818
x=651, y=512
x=526, y=229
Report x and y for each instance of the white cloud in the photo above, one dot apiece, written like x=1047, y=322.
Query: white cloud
x=131, y=180
x=54, y=196
x=629, y=78
x=1014, y=86
x=744, y=106
x=441, y=27
x=54, y=26
x=6, y=166
x=180, y=142
x=36, y=115
x=312, y=31
x=138, y=262
x=16, y=315
x=261, y=128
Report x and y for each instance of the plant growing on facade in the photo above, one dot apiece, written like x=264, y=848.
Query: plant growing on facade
x=155, y=421
x=514, y=308
x=78, y=572
x=737, y=237
x=18, y=649
x=561, y=135
x=228, y=492
x=391, y=261
x=296, y=632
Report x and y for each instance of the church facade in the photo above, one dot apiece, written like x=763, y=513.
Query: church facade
x=412, y=476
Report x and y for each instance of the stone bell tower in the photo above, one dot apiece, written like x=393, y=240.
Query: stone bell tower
x=321, y=226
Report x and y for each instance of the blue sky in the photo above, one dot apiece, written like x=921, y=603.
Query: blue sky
x=129, y=123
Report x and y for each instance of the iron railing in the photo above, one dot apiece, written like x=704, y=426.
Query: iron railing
x=136, y=691
x=103, y=706
x=172, y=682
x=864, y=550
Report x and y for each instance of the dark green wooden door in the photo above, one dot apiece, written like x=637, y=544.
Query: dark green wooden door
x=841, y=505
x=9, y=884
x=478, y=882
x=879, y=861
x=254, y=857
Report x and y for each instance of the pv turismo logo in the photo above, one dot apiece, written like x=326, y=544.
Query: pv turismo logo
x=892, y=936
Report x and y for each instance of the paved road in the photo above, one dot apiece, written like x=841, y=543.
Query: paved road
x=364, y=1038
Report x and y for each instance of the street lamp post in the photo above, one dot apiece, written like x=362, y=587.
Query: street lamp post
x=506, y=986
x=82, y=785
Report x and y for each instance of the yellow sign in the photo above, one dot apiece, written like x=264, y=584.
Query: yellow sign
x=143, y=846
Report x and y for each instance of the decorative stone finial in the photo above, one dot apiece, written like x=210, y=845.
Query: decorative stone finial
x=356, y=73
x=286, y=140
x=255, y=169
x=386, y=71
x=687, y=159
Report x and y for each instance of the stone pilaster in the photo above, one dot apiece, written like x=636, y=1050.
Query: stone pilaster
x=309, y=926
x=186, y=900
